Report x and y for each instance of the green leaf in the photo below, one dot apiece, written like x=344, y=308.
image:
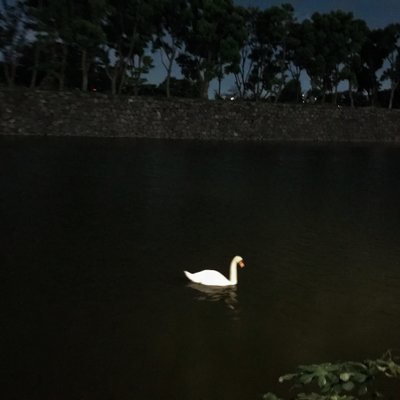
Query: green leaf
x=270, y=396
x=321, y=381
x=344, y=376
x=348, y=386
x=362, y=390
x=287, y=377
x=360, y=378
x=337, y=389
x=306, y=379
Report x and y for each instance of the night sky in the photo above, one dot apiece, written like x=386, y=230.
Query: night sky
x=376, y=13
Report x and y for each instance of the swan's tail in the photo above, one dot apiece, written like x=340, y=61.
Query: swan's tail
x=190, y=276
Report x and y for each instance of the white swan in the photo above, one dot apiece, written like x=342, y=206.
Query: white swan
x=214, y=278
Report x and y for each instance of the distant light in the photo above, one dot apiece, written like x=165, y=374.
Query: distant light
x=232, y=98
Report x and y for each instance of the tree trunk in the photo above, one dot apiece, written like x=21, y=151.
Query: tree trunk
x=122, y=72
x=282, y=72
x=167, y=86
x=219, y=86
x=277, y=96
x=85, y=70
x=9, y=72
x=112, y=74
x=351, y=94
x=238, y=85
x=61, y=80
x=203, y=88
x=280, y=89
x=298, y=91
x=114, y=85
x=374, y=96
x=334, y=97
x=392, y=90
x=168, y=66
x=32, y=85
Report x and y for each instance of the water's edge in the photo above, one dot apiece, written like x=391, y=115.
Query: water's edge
x=43, y=113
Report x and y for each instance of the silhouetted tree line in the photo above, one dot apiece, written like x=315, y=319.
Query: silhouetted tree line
x=110, y=46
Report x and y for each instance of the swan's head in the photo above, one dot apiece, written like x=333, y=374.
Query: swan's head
x=239, y=260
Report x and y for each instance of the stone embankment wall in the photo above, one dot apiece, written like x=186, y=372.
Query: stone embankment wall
x=76, y=114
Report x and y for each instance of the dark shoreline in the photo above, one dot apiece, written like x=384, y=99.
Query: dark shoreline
x=46, y=113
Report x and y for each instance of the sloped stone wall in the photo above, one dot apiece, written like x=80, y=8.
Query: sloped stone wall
x=77, y=114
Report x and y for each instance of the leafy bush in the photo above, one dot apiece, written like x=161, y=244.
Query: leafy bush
x=341, y=381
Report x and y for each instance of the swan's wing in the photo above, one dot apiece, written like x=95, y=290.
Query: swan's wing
x=208, y=277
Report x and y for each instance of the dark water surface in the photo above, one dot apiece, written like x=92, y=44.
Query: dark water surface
x=95, y=235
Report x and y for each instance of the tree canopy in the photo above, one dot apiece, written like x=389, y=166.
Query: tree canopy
x=111, y=46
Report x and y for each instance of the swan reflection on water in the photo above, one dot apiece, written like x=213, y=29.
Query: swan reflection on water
x=217, y=293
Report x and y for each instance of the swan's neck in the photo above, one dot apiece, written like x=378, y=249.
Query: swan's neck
x=233, y=273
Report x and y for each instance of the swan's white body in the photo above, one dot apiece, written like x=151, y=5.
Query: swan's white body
x=214, y=278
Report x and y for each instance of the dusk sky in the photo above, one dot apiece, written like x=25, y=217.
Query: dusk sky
x=376, y=13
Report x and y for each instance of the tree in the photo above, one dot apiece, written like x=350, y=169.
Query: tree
x=34, y=9
x=228, y=56
x=336, y=40
x=269, y=54
x=129, y=28
x=54, y=34
x=60, y=26
x=357, y=32
x=88, y=32
x=290, y=93
x=172, y=21
x=12, y=37
x=212, y=43
x=373, y=54
x=280, y=29
x=392, y=72
x=181, y=88
x=242, y=69
x=299, y=51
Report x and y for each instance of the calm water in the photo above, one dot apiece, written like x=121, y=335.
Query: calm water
x=95, y=235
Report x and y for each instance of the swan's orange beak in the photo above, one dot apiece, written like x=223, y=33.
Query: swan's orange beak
x=241, y=264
